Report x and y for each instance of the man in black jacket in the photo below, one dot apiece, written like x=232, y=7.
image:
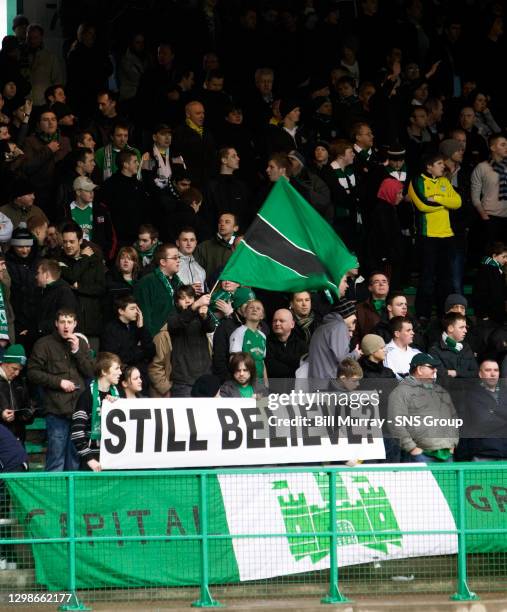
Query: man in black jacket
x=56, y=295
x=483, y=436
x=126, y=198
x=284, y=349
x=83, y=269
x=454, y=355
x=227, y=192
x=127, y=337
x=196, y=145
x=15, y=409
x=382, y=380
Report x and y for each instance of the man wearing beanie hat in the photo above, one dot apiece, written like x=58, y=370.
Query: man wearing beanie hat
x=459, y=304
x=330, y=343
x=22, y=261
x=287, y=136
x=15, y=408
x=373, y=355
x=310, y=186
x=382, y=380
x=22, y=207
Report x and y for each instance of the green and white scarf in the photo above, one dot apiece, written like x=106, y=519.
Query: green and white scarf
x=167, y=283
x=97, y=406
x=4, y=327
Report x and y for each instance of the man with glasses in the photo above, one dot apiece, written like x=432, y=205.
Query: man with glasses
x=373, y=310
x=155, y=291
x=422, y=416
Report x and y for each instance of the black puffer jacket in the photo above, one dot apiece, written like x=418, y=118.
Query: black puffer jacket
x=24, y=292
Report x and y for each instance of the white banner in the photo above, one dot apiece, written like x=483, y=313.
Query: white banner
x=291, y=504
x=201, y=432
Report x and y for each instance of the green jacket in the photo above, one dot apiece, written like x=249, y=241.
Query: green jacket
x=154, y=301
x=212, y=254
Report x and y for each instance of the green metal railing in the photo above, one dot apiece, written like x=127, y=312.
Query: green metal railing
x=456, y=475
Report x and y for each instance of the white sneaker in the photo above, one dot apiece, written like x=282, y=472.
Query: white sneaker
x=3, y=564
x=12, y=565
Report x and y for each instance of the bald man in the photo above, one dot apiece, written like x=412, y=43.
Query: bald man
x=284, y=349
x=196, y=146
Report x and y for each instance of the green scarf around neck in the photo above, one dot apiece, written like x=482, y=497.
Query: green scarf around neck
x=378, y=304
x=96, y=407
x=4, y=326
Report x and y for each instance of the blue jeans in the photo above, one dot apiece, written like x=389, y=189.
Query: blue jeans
x=61, y=455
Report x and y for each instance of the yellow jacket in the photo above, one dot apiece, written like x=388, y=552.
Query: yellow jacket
x=434, y=219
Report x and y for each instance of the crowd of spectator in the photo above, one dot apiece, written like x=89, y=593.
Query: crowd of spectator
x=131, y=168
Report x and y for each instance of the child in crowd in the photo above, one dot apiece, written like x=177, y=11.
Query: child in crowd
x=86, y=418
x=188, y=326
x=131, y=383
x=248, y=338
x=244, y=378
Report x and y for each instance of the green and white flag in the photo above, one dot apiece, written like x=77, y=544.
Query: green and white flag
x=289, y=247
x=370, y=506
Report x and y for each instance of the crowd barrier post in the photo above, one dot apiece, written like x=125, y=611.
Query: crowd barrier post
x=334, y=596
x=463, y=593
x=75, y=603
x=206, y=599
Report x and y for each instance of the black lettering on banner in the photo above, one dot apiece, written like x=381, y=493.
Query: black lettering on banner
x=500, y=494
x=484, y=505
x=140, y=415
x=139, y=517
x=173, y=520
x=293, y=429
x=228, y=428
x=251, y=426
x=91, y=527
x=158, y=430
x=274, y=440
x=308, y=440
x=194, y=444
x=117, y=528
x=173, y=445
x=115, y=430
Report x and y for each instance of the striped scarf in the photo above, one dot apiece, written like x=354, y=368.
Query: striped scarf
x=501, y=169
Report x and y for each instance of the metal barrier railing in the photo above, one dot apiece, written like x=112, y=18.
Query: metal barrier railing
x=363, y=520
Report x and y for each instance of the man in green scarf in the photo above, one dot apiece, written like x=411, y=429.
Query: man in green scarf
x=155, y=291
x=373, y=310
